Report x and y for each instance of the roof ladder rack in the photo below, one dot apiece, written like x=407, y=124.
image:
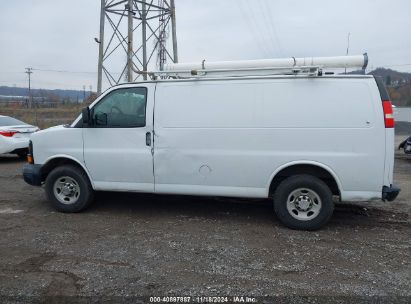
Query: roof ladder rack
x=308, y=66
x=239, y=72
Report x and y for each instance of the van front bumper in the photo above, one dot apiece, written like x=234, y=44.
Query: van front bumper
x=390, y=193
x=32, y=174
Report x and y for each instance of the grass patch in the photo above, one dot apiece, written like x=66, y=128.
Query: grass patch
x=46, y=117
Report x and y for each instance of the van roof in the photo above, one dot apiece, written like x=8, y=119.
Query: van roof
x=337, y=76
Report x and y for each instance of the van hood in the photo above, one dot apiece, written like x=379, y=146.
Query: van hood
x=51, y=129
x=57, y=127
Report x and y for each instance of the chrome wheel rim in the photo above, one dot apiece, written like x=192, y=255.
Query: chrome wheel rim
x=66, y=190
x=304, y=204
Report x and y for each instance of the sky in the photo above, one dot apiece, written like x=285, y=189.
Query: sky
x=50, y=35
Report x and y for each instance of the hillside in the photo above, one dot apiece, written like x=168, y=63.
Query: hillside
x=391, y=76
x=401, y=96
x=72, y=95
x=398, y=85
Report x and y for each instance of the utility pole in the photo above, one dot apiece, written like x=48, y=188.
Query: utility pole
x=137, y=29
x=29, y=71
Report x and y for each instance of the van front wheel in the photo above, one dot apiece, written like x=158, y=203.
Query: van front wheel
x=68, y=189
x=303, y=202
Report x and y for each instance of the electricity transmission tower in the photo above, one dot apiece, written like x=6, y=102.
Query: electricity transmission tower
x=133, y=39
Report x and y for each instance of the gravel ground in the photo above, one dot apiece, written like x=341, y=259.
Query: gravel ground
x=130, y=245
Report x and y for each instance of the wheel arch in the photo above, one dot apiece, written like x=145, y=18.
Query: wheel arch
x=59, y=160
x=316, y=169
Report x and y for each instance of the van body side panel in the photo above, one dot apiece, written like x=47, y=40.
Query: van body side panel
x=45, y=147
x=229, y=137
x=389, y=157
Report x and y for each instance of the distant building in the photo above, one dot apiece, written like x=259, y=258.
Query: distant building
x=4, y=98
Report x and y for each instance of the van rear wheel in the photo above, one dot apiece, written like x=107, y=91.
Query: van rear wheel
x=303, y=202
x=68, y=189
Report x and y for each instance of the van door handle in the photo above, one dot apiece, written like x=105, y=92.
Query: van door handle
x=148, y=139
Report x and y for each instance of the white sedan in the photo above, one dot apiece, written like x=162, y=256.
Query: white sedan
x=15, y=135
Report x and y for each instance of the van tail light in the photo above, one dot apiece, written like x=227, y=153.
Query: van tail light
x=388, y=114
x=8, y=133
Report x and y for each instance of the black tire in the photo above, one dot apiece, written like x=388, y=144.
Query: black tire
x=86, y=194
x=312, y=183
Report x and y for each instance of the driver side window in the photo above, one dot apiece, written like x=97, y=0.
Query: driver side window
x=122, y=108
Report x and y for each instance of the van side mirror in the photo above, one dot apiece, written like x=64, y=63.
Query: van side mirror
x=101, y=119
x=85, y=115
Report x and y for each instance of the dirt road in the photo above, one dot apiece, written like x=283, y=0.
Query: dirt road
x=127, y=245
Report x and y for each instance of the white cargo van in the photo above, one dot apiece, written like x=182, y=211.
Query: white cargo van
x=298, y=139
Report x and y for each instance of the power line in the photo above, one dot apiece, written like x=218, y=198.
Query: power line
x=270, y=34
x=265, y=8
x=253, y=31
x=12, y=72
x=42, y=84
x=9, y=81
x=64, y=71
x=392, y=65
x=260, y=29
